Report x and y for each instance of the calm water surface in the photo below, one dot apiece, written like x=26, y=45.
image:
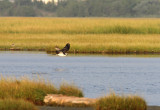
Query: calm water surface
x=96, y=75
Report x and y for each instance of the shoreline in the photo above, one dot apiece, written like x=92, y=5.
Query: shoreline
x=153, y=108
x=84, y=108
x=82, y=52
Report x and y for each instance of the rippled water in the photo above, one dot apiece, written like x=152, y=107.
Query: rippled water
x=96, y=75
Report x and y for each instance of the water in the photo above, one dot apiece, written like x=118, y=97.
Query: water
x=96, y=75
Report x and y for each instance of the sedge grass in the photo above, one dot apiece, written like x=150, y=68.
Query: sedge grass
x=31, y=90
x=116, y=102
x=16, y=104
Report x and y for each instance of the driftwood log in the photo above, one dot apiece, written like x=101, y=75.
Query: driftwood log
x=61, y=100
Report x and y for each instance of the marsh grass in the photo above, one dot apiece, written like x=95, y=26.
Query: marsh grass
x=31, y=90
x=86, y=35
x=16, y=104
x=116, y=102
x=90, y=43
x=79, y=26
x=17, y=93
x=70, y=90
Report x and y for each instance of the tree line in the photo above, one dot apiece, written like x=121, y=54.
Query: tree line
x=81, y=8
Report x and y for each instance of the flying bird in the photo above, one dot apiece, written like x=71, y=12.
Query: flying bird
x=62, y=52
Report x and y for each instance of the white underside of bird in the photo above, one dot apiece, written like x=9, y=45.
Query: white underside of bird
x=62, y=54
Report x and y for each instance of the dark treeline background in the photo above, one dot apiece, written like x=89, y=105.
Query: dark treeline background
x=82, y=8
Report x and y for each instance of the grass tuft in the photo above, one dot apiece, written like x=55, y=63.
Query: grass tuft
x=70, y=90
x=16, y=104
x=32, y=90
x=116, y=102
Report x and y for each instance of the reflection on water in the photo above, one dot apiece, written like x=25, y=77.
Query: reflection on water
x=95, y=74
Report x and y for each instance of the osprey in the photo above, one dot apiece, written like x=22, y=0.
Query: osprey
x=62, y=52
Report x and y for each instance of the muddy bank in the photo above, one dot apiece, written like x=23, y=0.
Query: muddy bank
x=84, y=108
x=153, y=108
x=64, y=108
x=86, y=52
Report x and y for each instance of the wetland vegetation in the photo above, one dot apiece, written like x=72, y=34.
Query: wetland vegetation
x=86, y=35
x=16, y=104
x=28, y=93
x=117, y=102
x=33, y=90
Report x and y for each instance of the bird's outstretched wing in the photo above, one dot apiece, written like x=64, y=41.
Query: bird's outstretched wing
x=57, y=50
x=66, y=48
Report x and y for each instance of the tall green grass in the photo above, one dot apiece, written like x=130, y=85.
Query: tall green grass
x=31, y=90
x=116, y=102
x=16, y=104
